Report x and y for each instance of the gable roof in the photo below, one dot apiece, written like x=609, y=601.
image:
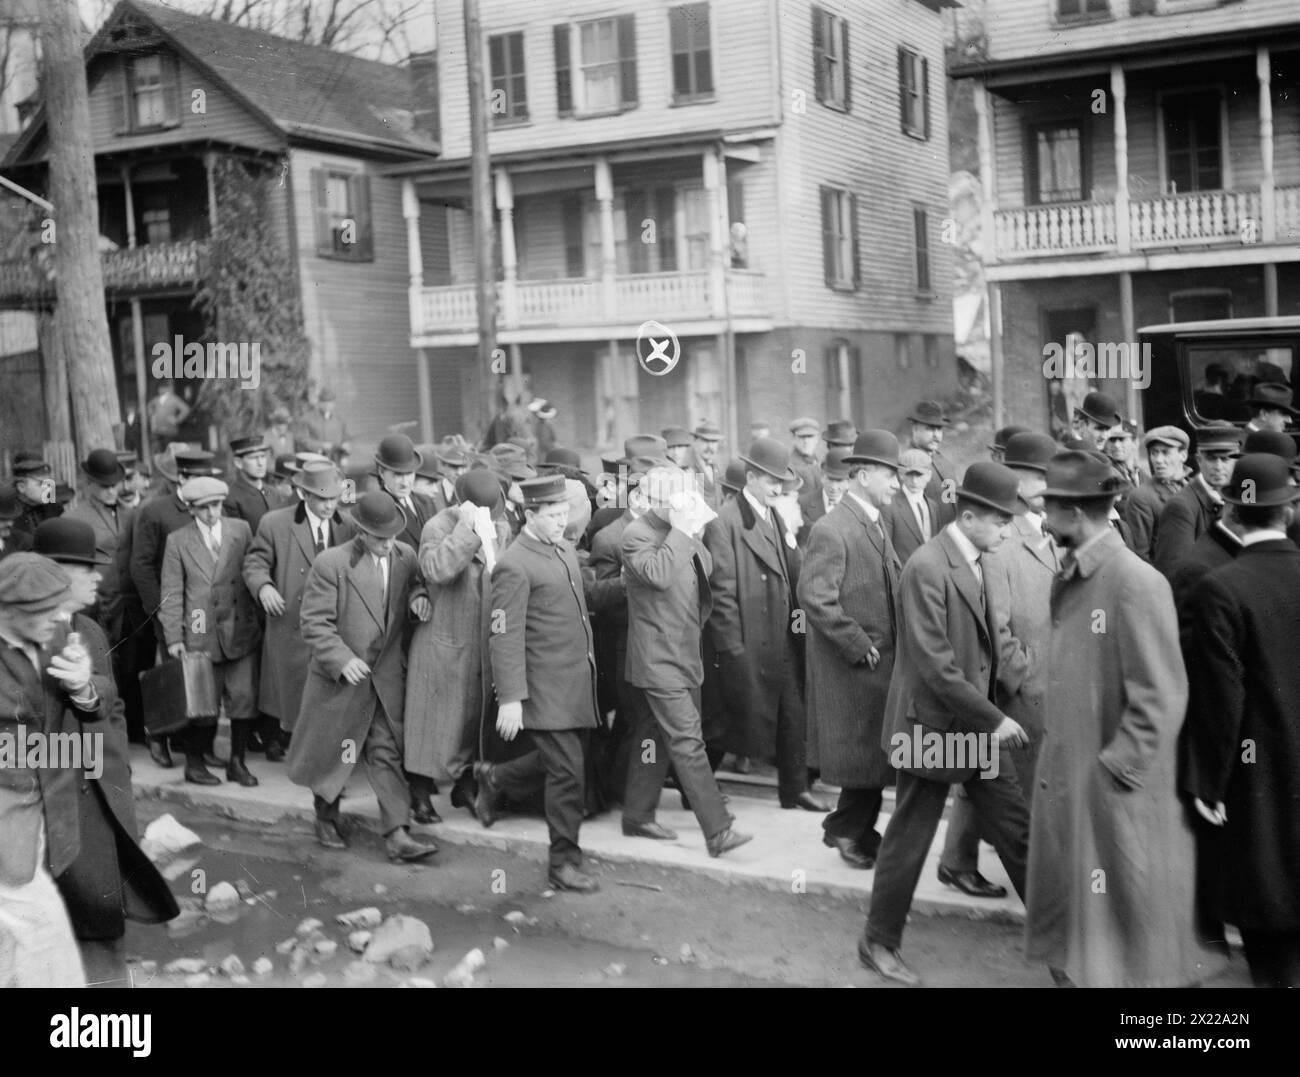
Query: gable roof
x=303, y=91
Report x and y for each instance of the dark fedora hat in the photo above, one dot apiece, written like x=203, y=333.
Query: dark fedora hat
x=994, y=486
x=1272, y=394
x=644, y=445
x=1270, y=441
x=102, y=467
x=252, y=443
x=397, y=453
x=928, y=413
x=707, y=430
x=64, y=539
x=558, y=459
x=834, y=465
x=452, y=455
x=875, y=447
x=30, y=465
x=770, y=457
x=733, y=478
x=428, y=468
x=1258, y=479
x=479, y=487
x=676, y=436
x=377, y=514
x=320, y=479
x=1029, y=450
x=1081, y=476
x=1005, y=434
x=840, y=432
x=10, y=509
x=1100, y=408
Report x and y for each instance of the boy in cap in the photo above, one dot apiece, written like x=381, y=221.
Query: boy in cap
x=207, y=609
x=912, y=516
x=1166, y=448
x=806, y=432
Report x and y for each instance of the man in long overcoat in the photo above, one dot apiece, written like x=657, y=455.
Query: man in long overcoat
x=354, y=611
x=1190, y=512
x=1111, y=887
x=848, y=590
x=275, y=571
x=1241, y=743
x=449, y=675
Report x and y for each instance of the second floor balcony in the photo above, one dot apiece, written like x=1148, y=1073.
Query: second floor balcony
x=148, y=270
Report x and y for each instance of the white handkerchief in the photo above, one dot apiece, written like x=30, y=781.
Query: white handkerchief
x=487, y=535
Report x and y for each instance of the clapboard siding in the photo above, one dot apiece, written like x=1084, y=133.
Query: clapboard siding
x=1018, y=28
x=741, y=54
x=357, y=313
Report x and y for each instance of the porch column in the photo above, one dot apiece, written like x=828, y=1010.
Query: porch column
x=608, y=248
x=1128, y=331
x=1267, y=207
x=505, y=198
x=996, y=364
x=988, y=172
x=1270, y=289
x=210, y=168
x=414, y=256
x=713, y=208
x=129, y=196
x=1119, y=94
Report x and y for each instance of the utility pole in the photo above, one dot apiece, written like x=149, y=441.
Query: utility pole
x=481, y=200
x=80, y=321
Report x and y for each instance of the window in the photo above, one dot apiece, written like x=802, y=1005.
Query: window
x=914, y=93
x=604, y=77
x=509, y=91
x=1193, y=141
x=739, y=233
x=692, y=58
x=831, y=78
x=342, y=205
x=1081, y=9
x=1056, y=161
x=840, y=238
x=149, y=95
x=921, y=238
x=157, y=220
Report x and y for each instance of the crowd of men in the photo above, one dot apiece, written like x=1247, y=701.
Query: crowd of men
x=498, y=622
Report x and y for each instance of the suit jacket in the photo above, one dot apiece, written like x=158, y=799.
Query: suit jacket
x=1213, y=549
x=606, y=592
x=1186, y=517
x=281, y=554
x=343, y=617
x=192, y=584
x=944, y=471
x=246, y=502
x=110, y=529
x=425, y=510
x=709, y=485
x=1141, y=510
x=812, y=507
x=668, y=604
x=544, y=653
x=154, y=521
x=904, y=531
x=950, y=650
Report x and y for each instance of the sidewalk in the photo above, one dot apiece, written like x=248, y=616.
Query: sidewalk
x=786, y=854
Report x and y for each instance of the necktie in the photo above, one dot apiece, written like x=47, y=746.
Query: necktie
x=978, y=569
x=320, y=538
x=214, y=547
x=383, y=580
x=923, y=517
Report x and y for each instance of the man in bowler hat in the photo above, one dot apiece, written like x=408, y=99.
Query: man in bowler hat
x=928, y=426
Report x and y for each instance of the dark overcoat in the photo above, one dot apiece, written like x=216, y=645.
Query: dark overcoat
x=246, y=502
x=1184, y=519
x=153, y=522
x=111, y=529
x=1141, y=510
x=904, y=531
x=848, y=590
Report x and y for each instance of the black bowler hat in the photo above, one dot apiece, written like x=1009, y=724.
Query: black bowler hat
x=244, y=446
x=875, y=447
x=1029, y=450
x=397, y=453
x=1270, y=441
x=994, y=486
x=928, y=413
x=834, y=465
x=770, y=457
x=479, y=487
x=1258, y=479
x=1100, y=408
x=1005, y=434
x=30, y=465
x=69, y=540
x=840, y=432
x=563, y=462
x=377, y=514
x=733, y=478
x=543, y=489
x=1081, y=476
x=1274, y=395
x=285, y=467
x=102, y=467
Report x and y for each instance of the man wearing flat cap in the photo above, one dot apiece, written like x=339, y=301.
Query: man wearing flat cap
x=677, y=444
x=275, y=570
x=928, y=424
x=206, y=609
x=760, y=650
x=544, y=669
x=251, y=497
x=34, y=481
x=702, y=460
x=11, y=541
x=912, y=516
x=805, y=433
x=453, y=462
x=355, y=608
x=1167, y=456
x=279, y=438
x=1111, y=878
x=952, y=655
x=1190, y=512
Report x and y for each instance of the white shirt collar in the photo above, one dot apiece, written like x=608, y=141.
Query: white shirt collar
x=1035, y=520
x=314, y=521
x=1267, y=535
x=873, y=513
x=964, y=544
x=214, y=530
x=914, y=498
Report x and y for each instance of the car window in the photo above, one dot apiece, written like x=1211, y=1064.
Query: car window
x=1223, y=376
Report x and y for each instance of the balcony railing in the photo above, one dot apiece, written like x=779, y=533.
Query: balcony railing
x=138, y=269
x=586, y=303
x=1196, y=217
x=1061, y=228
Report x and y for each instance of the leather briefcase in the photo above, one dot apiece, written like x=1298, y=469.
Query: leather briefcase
x=177, y=691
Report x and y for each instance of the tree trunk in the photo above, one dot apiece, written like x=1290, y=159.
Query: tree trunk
x=54, y=363
x=80, y=321
x=481, y=201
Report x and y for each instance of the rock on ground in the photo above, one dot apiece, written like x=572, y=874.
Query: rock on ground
x=396, y=933
x=165, y=837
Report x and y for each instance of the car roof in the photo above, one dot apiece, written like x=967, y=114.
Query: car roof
x=1228, y=326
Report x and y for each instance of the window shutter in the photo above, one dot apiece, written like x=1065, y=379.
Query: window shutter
x=359, y=204
x=573, y=259
x=925, y=96
x=845, y=66
x=828, y=234
x=855, y=369
x=834, y=375
x=563, y=71
x=122, y=98
x=902, y=90
x=519, y=89
x=627, y=57
x=853, y=224
x=496, y=58
x=171, y=90
x=819, y=54
x=324, y=229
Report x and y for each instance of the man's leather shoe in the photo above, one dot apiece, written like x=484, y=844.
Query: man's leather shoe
x=850, y=852
x=238, y=772
x=806, y=801
x=726, y=841
x=648, y=830
x=485, y=800
x=972, y=883
x=425, y=814
x=197, y=774
x=887, y=963
x=329, y=835
x=160, y=753
x=399, y=845
x=274, y=751
x=567, y=877
x=462, y=793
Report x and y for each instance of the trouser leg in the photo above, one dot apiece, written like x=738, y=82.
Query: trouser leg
x=907, y=842
x=105, y=962
x=1000, y=805
x=855, y=817
x=383, y=757
x=647, y=766
x=679, y=721
x=1273, y=957
x=560, y=752
x=791, y=733
x=961, y=847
